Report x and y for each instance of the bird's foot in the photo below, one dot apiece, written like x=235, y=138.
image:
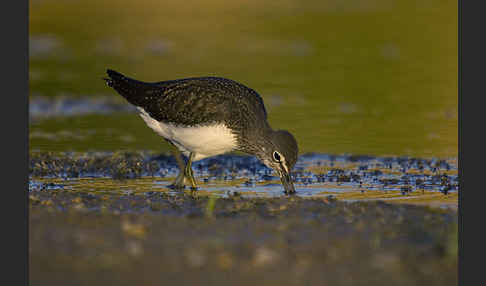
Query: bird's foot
x=179, y=182
x=174, y=186
x=290, y=193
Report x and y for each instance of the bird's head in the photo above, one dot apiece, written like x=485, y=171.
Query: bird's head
x=281, y=154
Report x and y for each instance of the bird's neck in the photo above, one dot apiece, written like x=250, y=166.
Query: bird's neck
x=257, y=142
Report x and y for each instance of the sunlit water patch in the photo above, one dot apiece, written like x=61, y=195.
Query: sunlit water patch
x=349, y=178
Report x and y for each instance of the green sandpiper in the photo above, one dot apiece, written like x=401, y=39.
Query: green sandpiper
x=208, y=116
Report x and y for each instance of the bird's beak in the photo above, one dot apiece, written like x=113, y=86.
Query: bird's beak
x=287, y=182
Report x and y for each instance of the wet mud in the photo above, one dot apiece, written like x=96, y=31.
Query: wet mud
x=109, y=218
x=345, y=177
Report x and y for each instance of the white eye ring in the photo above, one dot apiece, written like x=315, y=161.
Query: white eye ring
x=276, y=156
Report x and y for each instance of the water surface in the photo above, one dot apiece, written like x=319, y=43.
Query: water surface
x=346, y=77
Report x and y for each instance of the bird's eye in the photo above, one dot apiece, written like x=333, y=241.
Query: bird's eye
x=276, y=156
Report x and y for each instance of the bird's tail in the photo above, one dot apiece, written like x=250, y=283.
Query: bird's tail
x=129, y=88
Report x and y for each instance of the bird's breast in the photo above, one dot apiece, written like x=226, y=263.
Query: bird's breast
x=203, y=140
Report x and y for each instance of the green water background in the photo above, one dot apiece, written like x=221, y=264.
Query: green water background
x=357, y=77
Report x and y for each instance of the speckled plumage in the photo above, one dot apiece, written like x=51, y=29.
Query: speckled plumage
x=197, y=101
x=210, y=101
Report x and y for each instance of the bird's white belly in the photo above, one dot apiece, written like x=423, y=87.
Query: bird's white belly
x=203, y=141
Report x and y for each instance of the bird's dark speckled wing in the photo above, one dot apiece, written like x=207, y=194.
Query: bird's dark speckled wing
x=192, y=101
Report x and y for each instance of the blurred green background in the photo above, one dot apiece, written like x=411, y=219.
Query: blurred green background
x=376, y=77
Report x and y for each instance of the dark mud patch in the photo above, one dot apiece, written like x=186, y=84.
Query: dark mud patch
x=129, y=239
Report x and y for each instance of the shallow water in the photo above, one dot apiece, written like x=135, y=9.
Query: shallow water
x=376, y=78
x=349, y=178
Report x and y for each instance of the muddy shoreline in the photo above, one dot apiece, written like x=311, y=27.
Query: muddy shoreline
x=206, y=240
x=426, y=181
x=106, y=218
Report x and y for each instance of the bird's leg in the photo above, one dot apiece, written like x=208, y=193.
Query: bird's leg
x=179, y=181
x=188, y=172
